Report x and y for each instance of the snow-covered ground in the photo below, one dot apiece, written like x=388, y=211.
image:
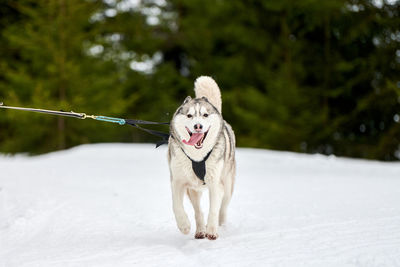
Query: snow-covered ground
x=110, y=205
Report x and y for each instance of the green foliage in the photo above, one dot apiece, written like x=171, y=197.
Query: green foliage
x=307, y=75
x=51, y=69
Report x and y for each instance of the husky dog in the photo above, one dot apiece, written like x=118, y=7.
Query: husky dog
x=201, y=154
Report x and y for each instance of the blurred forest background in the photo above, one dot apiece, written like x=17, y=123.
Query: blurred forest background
x=307, y=75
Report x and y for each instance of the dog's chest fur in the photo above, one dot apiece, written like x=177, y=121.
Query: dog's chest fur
x=183, y=168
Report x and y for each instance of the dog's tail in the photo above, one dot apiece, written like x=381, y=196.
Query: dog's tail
x=206, y=86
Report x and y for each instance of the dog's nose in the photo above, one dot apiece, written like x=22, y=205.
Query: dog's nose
x=198, y=127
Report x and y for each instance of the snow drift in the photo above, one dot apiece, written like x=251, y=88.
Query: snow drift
x=110, y=205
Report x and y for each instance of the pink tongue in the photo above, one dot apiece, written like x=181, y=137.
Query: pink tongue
x=193, y=139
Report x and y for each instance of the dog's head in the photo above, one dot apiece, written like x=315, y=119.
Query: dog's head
x=196, y=124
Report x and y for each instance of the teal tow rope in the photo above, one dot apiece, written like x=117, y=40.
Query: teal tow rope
x=110, y=119
x=120, y=121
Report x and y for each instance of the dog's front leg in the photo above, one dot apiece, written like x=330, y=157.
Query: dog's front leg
x=216, y=194
x=182, y=221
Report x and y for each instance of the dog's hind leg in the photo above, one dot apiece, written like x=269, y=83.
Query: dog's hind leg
x=182, y=221
x=216, y=192
x=226, y=199
x=195, y=197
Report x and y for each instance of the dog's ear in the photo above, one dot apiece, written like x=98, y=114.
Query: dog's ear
x=187, y=99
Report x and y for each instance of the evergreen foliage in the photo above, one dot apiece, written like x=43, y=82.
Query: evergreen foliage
x=306, y=75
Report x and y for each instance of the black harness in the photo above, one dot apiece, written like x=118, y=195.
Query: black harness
x=199, y=167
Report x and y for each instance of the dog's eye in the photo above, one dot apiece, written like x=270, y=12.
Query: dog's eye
x=205, y=115
x=189, y=115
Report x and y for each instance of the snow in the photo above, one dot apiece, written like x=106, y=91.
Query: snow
x=110, y=205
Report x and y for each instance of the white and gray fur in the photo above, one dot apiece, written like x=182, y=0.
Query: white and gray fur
x=220, y=165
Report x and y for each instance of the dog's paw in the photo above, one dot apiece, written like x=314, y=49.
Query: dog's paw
x=185, y=230
x=184, y=226
x=212, y=236
x=200, y=235
x=211, y=233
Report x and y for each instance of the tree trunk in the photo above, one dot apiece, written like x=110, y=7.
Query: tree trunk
x=62, y=84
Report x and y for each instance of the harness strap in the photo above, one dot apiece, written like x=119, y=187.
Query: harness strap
x=163, y=135
x=199, y=167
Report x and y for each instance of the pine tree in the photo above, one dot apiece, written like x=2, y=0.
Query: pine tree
x=307, y=75
x=54, y=69
x=295, y=74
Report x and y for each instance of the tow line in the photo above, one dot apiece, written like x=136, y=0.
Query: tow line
x=120, y=121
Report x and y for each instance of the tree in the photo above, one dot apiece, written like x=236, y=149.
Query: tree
x=295, y=75
x=54, y=68
x=307, y=75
